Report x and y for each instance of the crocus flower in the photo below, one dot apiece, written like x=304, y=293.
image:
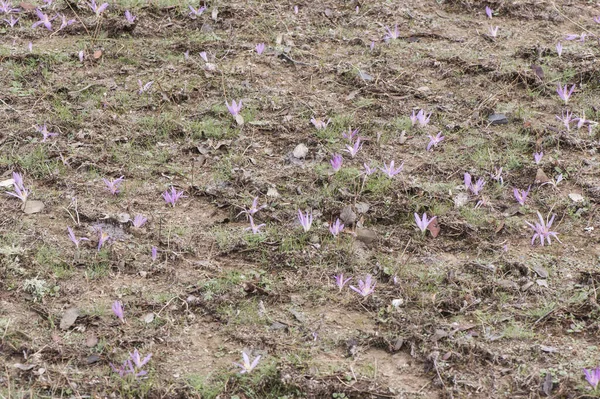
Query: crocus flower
x=521, y=195
x=350, y=135
x=138, y=362
x=336, y=228
x=6, y=7
x=340, y=282
x=30, y=47
x=234, y=108
x=196, y=12
x=295, y=9
x=43, y=20
x=542, y=230
x=372, y=45
x=186, y=55
x=253, y=209
x=353, y=150
x=559, y=49
x=554, y=182
x=12, y=21
x=117, y=308
x=204, y=56
x=97, y=9
x=154, y=253
x=391, y=34
x=19, y=190
x=580, y=38
x=43, y=129
x=413, y=118
x=247, y=367
x=493, y=31
x=305, y=221
x=75, y=240
x=139, y=220
x=260, y=47
x=144, y=87
x=113, y=185
x=566, y=118
x=368, y=169
x=103, y=236
x=173, y=196
x=423, y=222
x=498, y=176
x=129, y=17
x=336, y=162
x=592, y=376
x=564, y=93
x=488, y=12
x=81, y=55
x=475, y=188
x=365, y=288
x=597, y=19
x=390, y=171
x=434, y=141
x=319, y=124
x=537, y=157
x=64, y=21
x=422, y=118
x=255, y=229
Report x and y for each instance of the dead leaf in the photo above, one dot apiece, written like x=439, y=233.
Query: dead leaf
x=272, y=192
x=279, y=39
x=91, y=341
x=434, y=228
x=24, y=367
x=540, y=177
x=214, y=14
x=548, y=384
x=499, y=227
x=576, y=197
x=548, y=349
x=97, y=54
x=542, y=283
x=7, y=183
x=239, y=119
x=33, y=206
x=148, y=318
x=69, y=318
x=540, y=271
x=538, y=71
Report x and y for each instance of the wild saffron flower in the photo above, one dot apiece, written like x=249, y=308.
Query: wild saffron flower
x=353, y=150
x=336, y=162
x=390, y=171
x=488, y=12
x=295, y=9
x=196, y=12
x=493, y=31
x=422, y=118
x=319, y=124
x=434, y=141
x=75, y=240
x=97, y=9
x=117, y=308
x=234, y=108
x=592, y=376
x=136, y=359
x=7, y=8
x=566, y=119
x=154, y=253
x=138, y=221
x=305, y=221
x=81, y=55
x=247, y=367
x=113, y=185
x=542, y=230
x=336, y=228
x=255, y=229
x=559, y=49
x=521, y=195
x=64, y=21
x=173, y=196
x=186, y=55
x=103, y=236
x=43, y=129
x=475, y=188
x=129, y=17
x=564, y=93
x=350, y=135
x=369, y=170
x=554, y=182
x=253, y=209
x=423, y=222
x=340, y=282
x=260, y=47
x=537, y=157
x=204, y=56
x=12, y=21
x=19, y=190
x=365, y=288
x=580, y=38
x=144, y=87
x=391, y=34
x=498, y=176
x=597, y=19
x=43, y=20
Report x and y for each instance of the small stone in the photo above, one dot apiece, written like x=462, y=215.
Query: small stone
x=577, y=198
x=347, y=215
x=300, y=151
x=498, y=119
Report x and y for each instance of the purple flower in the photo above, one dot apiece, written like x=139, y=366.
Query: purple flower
x=139, y=221
x=64, y=21
x=96, y=8
x=597, y=20
x=75, y=240
x=103, y=236
x=592, y=376
x=336, y=162
x=350, y=135
x=475, y=188
x=423, y=222
x=391, y=34
x=319, y=124
x=542, y=230
x=144, y=87
x=572, y=37
x=81, y=54
x=353, y=150
x=196, y=12
x=390, y=171
x=537, y=157
x=565, y=93
x=295, y=9
x=43, y=129
x=130, y=17
x=559, y=49
x=305, y=221
x=247, y=367
x=173, y=196
x=372, y=45
x=369, y=170
x=498, y=176
x=6, y=7
x=434, y=141
x=19, y=188
x=154, y=253
x=117, y=308
x=336, y=228
x=521, y=195
x=234, y=109
x=204, y=56
x=488, y=12
x=113, y=185
x=128, y=366
x=12, y=21
x=260, y=47
x=255, y=229
x=340, y=282
x=365, y=288
x=30, y=47
x=554, y=182
x=253, y=209
x=186, y=55
x=493, y=31
x=421, y=117
x=43, y=20
x=566, y=118
x=138, y=362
